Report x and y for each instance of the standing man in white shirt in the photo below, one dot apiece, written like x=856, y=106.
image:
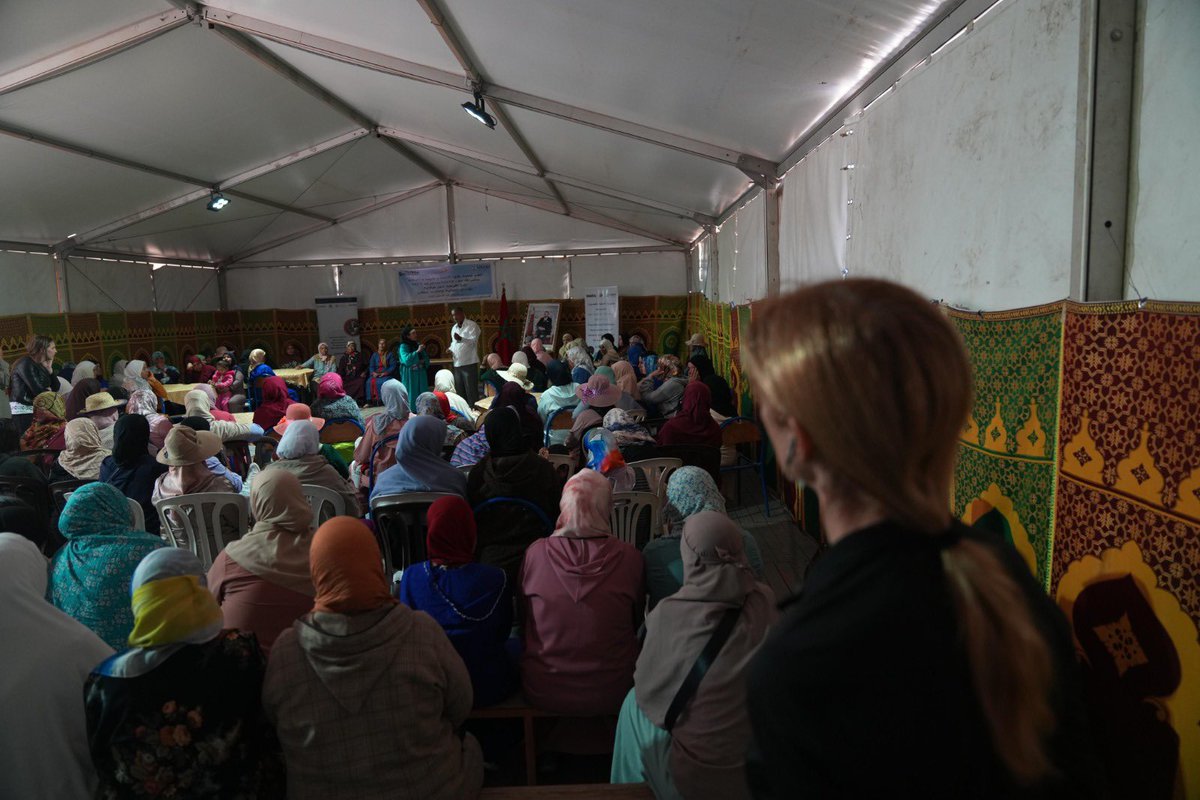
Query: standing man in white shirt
x=465, y=349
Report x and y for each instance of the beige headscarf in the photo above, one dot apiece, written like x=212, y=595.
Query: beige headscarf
x=197, y=404
x=626, y=379
x=276, y=547
x=85, y=451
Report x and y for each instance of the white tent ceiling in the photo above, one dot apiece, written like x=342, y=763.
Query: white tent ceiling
x=335, y=128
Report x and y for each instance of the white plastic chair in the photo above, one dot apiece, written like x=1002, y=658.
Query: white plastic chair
x=319, y=497
x=194, y=521
x=565, y=465
x=627, y=511
x=657, y=472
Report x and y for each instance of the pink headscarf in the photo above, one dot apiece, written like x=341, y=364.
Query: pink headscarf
x=627, y=379
x=585, y=506
x=330, y=387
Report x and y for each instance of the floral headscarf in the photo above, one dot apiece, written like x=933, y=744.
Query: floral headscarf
x=585, y=506
x=691, y=490
x=90, y=575
x=625, y=429
x=48, y=412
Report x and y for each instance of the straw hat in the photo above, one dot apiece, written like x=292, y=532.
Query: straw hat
x=697, y=340
x=298, y=411
x=599, y=391
x=100, y=401
x=517, y=373
x=185, y=446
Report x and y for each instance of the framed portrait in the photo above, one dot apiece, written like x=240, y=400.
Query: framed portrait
x=541, y=322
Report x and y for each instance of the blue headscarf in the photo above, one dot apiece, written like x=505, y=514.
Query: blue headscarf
x=395, y=405
x=90, y=575
x=419, y=464
x=634, y=354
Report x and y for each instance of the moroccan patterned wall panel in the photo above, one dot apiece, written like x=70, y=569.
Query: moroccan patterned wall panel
x=1004, y=478
x=1126, y=568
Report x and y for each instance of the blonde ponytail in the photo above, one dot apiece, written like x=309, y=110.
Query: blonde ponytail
x=1011, y=665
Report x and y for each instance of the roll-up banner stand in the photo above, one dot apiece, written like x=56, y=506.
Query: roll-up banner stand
x=337, y=322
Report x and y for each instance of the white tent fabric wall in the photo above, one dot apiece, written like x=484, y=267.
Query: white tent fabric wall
x=963, y=184
x=108, y=286
x=29, y=284
x=280, y=287
x=1164, y=237
x=634, y=274
x=186, y=289
x=742, y=254
x=813, y=216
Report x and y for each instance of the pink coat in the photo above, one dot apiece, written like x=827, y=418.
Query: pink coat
x=582, y=601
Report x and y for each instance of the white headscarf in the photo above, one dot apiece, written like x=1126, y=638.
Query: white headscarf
x=83, y=371
x=43, y=741
x=133, y=376
x=300, y=439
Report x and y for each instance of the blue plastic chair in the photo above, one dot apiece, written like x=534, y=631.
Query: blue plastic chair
x=550, y=420
x=737, y=431
x=374, y=450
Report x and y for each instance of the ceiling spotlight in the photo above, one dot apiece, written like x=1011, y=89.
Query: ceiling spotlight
x=477, y=111
x=217, y=201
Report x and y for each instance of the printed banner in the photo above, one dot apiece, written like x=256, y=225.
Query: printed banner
x=601, y=309
x=447, y=283
x=337, y=322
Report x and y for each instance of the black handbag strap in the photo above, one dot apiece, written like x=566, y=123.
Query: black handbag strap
x=705, y=660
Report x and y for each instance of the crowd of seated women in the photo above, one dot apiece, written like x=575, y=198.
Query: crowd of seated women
x=294, y=666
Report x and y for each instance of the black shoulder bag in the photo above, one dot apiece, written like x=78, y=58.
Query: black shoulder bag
x=705, y=660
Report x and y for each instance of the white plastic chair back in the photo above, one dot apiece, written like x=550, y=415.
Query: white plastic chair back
x=325, y=503
x=565, y=465
x=628, y=508
x=135, y=511
x=657, y=472
x=194, y=521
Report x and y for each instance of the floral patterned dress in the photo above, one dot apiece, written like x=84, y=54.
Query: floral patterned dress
x=192, y=727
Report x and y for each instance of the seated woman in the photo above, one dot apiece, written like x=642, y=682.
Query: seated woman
x=382, y=368
x=465, y=424
x=186, y=454
x=84, y=454
x=700, y=368
x=694, y=423
x=386, y=423
x=559, y=394
x=213, y=412
x=89, y=576
x=428, y=405
x=49, y=417
x=143, y=404
x=633, y=440
x=690, y=491
x=273, y=403
x=352, y=367
x=368, y=696
x=196, y=371
x=163, y=372
x=299, y=453
x=474, y=448
x=291, y=357
x=540, y=352
x=199, y=404
x=179, y=713
x=77, y=398
x=581, y=573
x=536, y=369
x=625, y=401
x=511, y=469
x=443, y=382
x=697, y=750
x=322, y=364
x=419, y=464
x=600, y=396
x=261, y=581
x=131, y=468
x=333, y=402
x=662, y=390
x=43, y=742
x=257, y=371
x=492, y=367
x=103, y=409
x=472, y=602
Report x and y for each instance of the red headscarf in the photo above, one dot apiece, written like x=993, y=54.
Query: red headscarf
x=347, y=569
x=693, y=424
x=444, y=401
x=274, y=403
x=331, y=387
x=451, y=534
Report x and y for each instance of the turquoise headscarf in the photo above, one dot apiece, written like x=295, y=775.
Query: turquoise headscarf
x=691, y=490
x=90, y=575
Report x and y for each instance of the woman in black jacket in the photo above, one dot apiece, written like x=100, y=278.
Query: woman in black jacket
x=31, y=376
x=131, y=468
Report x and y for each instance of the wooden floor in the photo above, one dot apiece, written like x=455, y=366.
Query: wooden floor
x=786, y=550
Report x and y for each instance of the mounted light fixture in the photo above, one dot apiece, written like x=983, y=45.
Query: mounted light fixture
x=477, y=111
x=217, y=201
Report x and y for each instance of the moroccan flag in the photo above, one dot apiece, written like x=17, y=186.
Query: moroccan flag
x=504, y=344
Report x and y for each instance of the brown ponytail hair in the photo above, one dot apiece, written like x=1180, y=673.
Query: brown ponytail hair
x=880, y=381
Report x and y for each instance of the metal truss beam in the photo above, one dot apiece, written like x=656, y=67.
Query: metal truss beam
x=92, y=50
x=225, y=186
x=481, y=256
x=390, y=65
x=349, y=215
